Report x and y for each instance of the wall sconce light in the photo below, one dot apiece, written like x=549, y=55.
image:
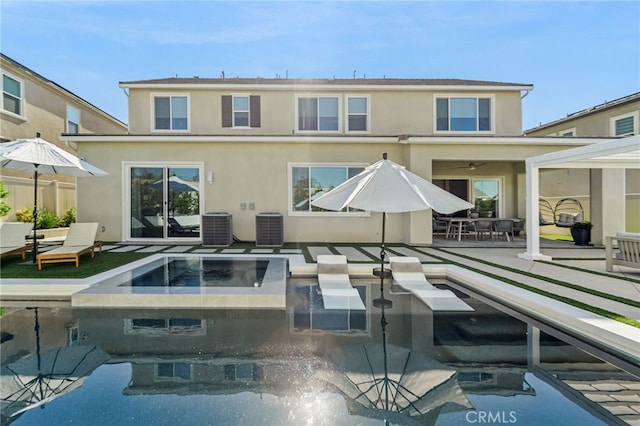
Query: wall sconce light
x=210, y=177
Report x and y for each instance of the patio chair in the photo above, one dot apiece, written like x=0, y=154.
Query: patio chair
x=81, y=239
x=13, y=238
x=335, y=285
x=483, y=227
x=439, y=226
x=504, y=226
x=408, y=274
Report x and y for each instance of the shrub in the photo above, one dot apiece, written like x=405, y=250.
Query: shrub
x=582, y=225
x=4, y=207
x=47, y=219
x=24, y=215
x=68, y=217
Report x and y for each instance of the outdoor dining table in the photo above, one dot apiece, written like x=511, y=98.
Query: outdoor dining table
x=460, y=221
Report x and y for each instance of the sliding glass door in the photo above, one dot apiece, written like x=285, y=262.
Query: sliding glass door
x=164, y=202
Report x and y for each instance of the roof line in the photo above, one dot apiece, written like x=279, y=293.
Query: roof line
x=59, y=87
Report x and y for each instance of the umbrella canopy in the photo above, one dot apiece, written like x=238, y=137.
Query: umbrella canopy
x=38, y=155
x=392, y=380
x=41, y=157
x=389, y=187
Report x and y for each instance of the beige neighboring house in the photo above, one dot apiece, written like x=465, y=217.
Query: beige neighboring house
x=32, y=103
x=617, y=118
x=243, y=147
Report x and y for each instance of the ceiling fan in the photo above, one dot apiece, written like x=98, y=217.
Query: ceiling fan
x=471, y=166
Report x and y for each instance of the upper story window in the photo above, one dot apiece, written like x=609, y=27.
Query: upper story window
x=240, y=111
x=12, y=95
x=73, y=119
x=171, y=112
x=308, y=182
x=625, y=125
x=463, y=114
x=357, y=113
x=318, y=114
x=567, y=133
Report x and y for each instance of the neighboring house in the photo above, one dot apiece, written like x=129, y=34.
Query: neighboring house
x=617, y=118
x=32, y=103
x=244, y=146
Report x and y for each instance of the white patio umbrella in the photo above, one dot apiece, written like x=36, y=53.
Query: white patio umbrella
x=41, y=157
x=388, y=187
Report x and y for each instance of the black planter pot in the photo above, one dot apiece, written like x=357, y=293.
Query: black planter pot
x=582, y=237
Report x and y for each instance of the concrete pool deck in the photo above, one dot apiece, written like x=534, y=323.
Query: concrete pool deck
x=574, y=273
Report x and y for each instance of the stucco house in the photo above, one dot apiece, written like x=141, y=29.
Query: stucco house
x=31, y=103
x=246, y=146
x=616, y=118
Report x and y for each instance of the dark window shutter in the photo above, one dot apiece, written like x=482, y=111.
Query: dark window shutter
x=227, y=111
x=254, y=102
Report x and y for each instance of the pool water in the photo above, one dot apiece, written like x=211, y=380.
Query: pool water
x=308, y=365
x=204, y=272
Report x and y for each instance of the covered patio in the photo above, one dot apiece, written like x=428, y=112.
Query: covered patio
x=610, y=159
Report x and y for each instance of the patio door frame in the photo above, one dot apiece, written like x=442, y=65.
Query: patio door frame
x=126, y=202
x=470, y=185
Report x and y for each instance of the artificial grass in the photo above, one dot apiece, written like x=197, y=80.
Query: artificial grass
x=14, y=267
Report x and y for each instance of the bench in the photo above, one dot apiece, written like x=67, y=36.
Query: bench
x=628, y=252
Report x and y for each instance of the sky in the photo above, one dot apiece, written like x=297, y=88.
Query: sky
x=577, y=54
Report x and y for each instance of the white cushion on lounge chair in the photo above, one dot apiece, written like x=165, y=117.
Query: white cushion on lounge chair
x=407, y=273
x=442, y=300
x=342, y=299
x=335, y=286
x=12, y=237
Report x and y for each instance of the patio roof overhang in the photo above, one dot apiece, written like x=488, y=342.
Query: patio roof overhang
x=612, y=154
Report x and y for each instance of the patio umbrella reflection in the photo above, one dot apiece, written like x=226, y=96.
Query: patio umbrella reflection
x=38, y=379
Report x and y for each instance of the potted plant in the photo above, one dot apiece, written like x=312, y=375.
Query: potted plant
x=581, y=233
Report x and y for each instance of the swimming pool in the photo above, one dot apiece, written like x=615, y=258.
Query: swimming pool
x=303, y=365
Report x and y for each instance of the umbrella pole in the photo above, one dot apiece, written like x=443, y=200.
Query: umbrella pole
x=35, y=214
x=382, y=273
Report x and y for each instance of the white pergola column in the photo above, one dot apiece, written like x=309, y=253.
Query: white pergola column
x=533, y=214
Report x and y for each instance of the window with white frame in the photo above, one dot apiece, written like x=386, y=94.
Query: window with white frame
x=308, y=182
x=12, y=94
x=463, y=114
x=73, y=119
x=241, y=111
x=318, y=114
x=357, y=113
x=567, y=133
x=170, y=112
x=625, y=125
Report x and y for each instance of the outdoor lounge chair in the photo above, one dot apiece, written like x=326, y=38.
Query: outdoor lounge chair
x=13, y=238
x=408, y=273
x=335, y=286
x=81, y=239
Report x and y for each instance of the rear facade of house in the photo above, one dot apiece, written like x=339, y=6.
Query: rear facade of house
x=250, y=150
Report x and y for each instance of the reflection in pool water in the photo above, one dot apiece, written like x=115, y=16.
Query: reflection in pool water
x=204, y=272
x=306, y=365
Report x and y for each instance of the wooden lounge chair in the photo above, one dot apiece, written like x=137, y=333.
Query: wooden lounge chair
x=13, y=238
x=408, y=273
x=336, y=288
x=81, y=239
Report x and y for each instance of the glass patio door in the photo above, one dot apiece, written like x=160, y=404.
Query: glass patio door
x=165, y=202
